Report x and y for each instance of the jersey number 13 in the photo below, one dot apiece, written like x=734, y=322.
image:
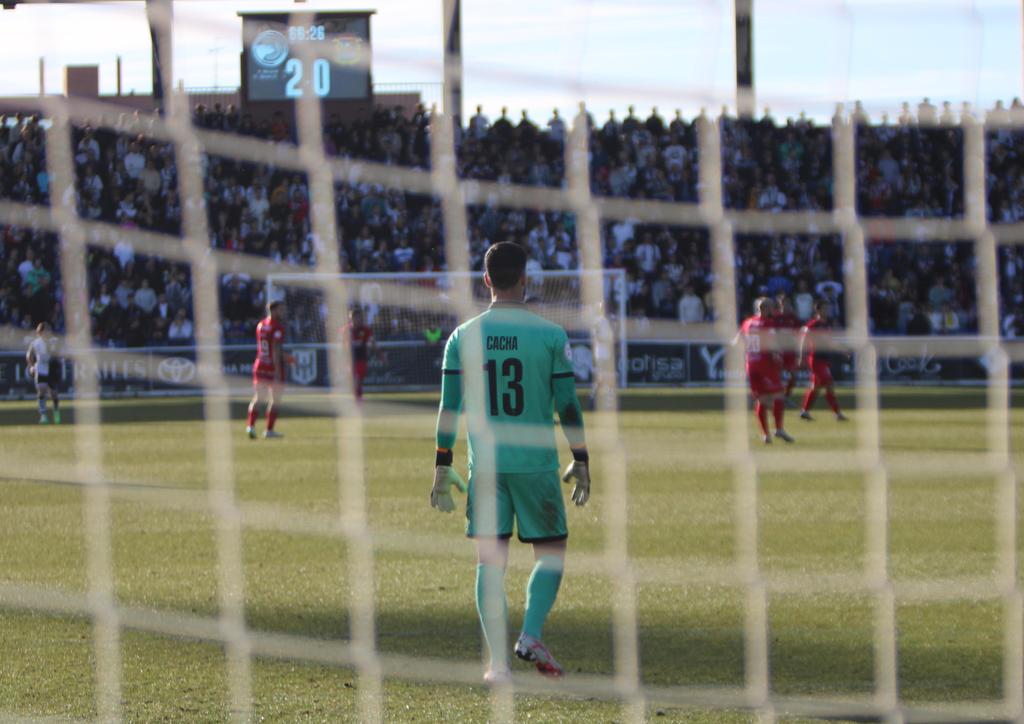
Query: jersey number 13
x=512, y=377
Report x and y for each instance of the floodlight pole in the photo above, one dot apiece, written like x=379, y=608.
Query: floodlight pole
x=451, y=11
x=745, y=99
x=162, y=46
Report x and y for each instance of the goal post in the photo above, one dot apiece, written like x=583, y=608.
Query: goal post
x=412, y=314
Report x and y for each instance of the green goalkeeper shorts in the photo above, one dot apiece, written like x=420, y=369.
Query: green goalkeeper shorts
x=533, y=501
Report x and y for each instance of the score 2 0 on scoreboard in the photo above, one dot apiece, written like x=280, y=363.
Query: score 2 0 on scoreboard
x=337, y=68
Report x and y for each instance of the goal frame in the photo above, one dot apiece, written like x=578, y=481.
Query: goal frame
x=317, y=281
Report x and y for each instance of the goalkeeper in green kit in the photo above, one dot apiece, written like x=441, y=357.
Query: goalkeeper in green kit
x=510, y=371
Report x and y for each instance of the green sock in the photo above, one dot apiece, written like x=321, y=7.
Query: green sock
x=541, y=592
x=493, y=610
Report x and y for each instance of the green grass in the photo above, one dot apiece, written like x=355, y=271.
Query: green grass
x=682, y=530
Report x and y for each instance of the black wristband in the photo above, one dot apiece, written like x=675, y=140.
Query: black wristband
x=581, y=455
x=444, y=457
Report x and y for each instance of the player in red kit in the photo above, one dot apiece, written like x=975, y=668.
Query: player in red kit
x=764, y=368
x=814, y=332
x=787, y=323
x=268, y=371
x=359, y=337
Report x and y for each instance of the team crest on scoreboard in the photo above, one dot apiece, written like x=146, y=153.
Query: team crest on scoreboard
x=270, y=48
x=348, y=49
x=304, y=369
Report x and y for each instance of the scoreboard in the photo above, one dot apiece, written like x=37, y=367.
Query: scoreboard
x=289, y=55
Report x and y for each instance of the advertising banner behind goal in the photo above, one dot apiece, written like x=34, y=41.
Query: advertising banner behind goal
x=416, y=365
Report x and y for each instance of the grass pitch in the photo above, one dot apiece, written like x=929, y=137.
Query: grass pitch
x=682, y=534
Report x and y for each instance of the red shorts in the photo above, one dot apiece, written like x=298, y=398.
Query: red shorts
x=821, y=374
x=359, y=369
x=765, y=378
x=789, y=361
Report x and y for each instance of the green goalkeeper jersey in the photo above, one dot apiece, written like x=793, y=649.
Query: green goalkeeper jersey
x=510, y=370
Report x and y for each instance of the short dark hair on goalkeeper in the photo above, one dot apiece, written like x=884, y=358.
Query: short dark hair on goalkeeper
x=505, y=263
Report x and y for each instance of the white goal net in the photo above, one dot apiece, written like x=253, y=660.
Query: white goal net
x=195, y=163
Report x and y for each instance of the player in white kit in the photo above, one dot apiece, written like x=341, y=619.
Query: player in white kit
x=43, y=372
x=603, y=381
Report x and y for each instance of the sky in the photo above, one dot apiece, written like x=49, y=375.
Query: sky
x=542, y=54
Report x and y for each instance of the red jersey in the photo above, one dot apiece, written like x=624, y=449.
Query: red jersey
x=269, y=338
x=785, y=320
x=758, y=336
x=814, y=330
x=359, y=337
x=788, y=324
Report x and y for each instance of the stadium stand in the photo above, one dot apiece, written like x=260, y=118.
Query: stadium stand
x=908, y=169
x=804, y=267
x=922, y=288
x=772, y=168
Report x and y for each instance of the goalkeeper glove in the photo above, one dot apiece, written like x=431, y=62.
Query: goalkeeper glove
x=444, y=478
x=579, y=471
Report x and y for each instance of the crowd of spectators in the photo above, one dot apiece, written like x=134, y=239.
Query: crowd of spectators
x=29, y=279
x=921, y=288
x=29, y=274
x=667, y=269
x=802, y=267
x=127, y=179
x=1005, y=176
x=124, y=177
x=776, y=168
x=137, y=301
x=508, y=152
x=1011, y=291
x=644, y=159
x=23, y=174
x=264, y=210
x=910, y=170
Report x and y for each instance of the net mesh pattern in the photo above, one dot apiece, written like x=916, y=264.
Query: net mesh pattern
x=110, y=618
